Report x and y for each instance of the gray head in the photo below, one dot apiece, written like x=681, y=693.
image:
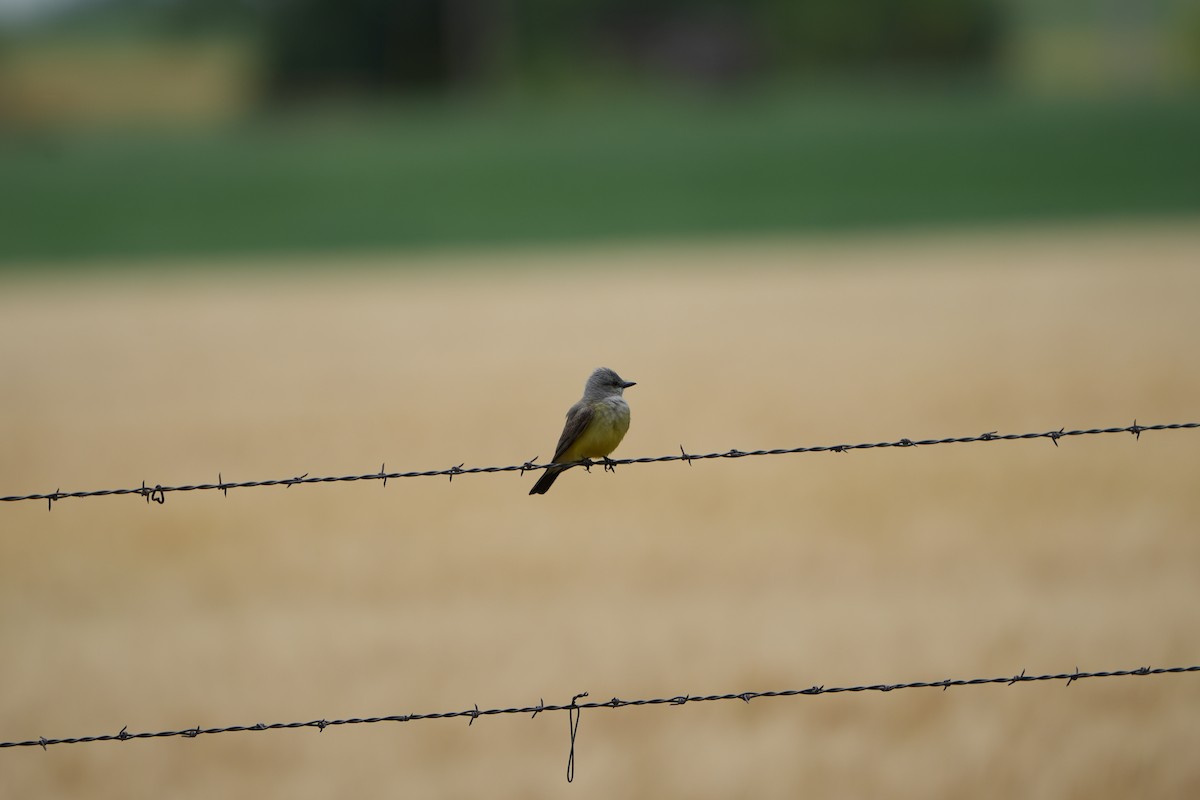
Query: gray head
x=604, y=383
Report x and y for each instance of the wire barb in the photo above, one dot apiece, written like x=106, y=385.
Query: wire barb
x=158, y=492
x=573, y=717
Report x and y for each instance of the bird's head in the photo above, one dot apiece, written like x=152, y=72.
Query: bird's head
x=605, y=383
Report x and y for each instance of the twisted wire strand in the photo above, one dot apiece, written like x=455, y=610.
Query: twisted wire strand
x=158, y=492
x=575, y=707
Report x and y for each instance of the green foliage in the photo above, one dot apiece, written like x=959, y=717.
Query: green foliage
x=884, y=32
x=385, y=45
x=355, y=45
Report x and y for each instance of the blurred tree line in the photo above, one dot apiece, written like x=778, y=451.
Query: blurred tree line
x=439, y=44
x=436, y=45
x=297, y=48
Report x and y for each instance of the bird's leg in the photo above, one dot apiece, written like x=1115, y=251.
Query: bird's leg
x=609, y=464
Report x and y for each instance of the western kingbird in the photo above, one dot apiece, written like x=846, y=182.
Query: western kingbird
x=595, y=425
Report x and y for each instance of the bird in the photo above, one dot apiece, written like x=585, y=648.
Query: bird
x=595, y=425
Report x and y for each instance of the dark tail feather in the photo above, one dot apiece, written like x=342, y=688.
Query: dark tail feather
x=547, y=480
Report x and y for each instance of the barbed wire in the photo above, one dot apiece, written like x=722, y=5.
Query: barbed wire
x=158, y=492
x=575, y=708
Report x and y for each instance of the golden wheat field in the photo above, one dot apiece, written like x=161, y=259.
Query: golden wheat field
x=779, y=572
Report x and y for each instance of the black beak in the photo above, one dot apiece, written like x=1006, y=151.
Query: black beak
x=627, y=384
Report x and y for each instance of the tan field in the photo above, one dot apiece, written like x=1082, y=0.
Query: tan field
x=882, y=566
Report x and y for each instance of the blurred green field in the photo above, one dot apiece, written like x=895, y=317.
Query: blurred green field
x=426, y=176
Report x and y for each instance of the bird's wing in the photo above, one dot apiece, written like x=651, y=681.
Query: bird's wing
x=578, y=418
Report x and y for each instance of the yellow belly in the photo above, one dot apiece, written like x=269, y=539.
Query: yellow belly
x=608, y=427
